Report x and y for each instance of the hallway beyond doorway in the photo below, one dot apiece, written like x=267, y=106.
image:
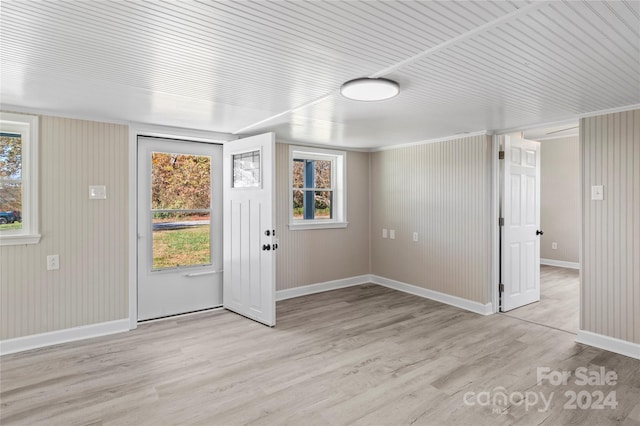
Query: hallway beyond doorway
x=559, y=300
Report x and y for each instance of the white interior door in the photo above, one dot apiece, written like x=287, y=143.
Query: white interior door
x=249, y=240
x=179, y=227
x=520, y=245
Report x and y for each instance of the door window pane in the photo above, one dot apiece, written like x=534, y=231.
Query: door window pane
x=180, y=181
x=180, y=210
x=180, y=239
x=246, y=170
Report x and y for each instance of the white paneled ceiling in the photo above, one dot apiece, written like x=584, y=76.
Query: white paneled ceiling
x=251, y=66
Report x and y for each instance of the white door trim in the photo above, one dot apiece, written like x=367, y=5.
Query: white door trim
x=136, y=129
x=495, y=264
x=495, y=229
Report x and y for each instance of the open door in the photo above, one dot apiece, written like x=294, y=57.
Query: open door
x=249, y=233
x=520, y=236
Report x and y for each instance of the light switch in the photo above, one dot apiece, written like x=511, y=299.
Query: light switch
x=384, y=232
x=392, y=234
x=597, y=192
x=97, y=192
x=415, y=237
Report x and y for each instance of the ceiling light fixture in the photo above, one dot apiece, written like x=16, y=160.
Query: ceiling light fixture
x=370, y=89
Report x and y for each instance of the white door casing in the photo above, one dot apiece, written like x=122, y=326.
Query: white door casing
x=520, y=261
x=249, y=252
x=187, y=288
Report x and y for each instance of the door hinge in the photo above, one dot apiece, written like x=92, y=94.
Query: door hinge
x=501, y=221
x=500, y=155
x=501, y=288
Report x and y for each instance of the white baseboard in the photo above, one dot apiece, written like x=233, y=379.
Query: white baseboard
x=469, y=305
x=19, y=344
x=560, y=263
x=290, y=293
x=610, y=344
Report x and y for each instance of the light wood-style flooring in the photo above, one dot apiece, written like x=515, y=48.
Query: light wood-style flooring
x=559, y=304
x=363, y=355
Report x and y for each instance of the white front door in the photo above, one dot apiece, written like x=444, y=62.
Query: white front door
x=520, y=242
x=179, y=227
x=249, y=232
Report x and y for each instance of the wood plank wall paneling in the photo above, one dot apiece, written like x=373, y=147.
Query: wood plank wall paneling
x=90, y=236
x=442, y=191
x=610, y=155
x=315, y=256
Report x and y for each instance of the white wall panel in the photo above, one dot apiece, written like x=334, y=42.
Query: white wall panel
x=441, y=191
x=610, y=156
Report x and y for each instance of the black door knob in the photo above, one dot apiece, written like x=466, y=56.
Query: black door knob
x=539, y=232
x=266, y=247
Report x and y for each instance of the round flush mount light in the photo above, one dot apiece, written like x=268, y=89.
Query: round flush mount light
x=370, y=89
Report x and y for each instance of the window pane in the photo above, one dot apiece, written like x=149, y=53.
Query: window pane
x=246, y=170
x=10, y=181
x=322, y=174
x=298, y=173
x=180, y=239
x=323, y=205
x=180, y=181
x=298, y=204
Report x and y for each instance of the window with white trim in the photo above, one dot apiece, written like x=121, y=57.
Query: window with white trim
x=316, y=188
x=18, y=179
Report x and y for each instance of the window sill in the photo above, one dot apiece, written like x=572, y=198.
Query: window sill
x=15, y=240
x=316, y=225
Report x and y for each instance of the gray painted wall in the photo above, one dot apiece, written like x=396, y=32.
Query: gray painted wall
x=560, y=199
x=91, y=285
x=320, y=255
x=440, y=190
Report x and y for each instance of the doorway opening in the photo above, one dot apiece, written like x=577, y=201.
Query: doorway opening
x=179, y=227
x=557, y=251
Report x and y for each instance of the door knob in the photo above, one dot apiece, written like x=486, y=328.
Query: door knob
x=275, y=247
x=539, y=232
x=267, y=233
x=266, y=247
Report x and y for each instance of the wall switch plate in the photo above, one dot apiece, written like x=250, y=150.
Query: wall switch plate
x=415, y=237
x=597, y=192
x=53, y=262
x=97, y=192
x=392, y=234
x=554, y=246
x=384, y=232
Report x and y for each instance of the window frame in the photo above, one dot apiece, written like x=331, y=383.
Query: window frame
x=338, y=179
x=27, y=126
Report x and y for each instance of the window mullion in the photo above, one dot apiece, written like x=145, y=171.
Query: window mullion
x=308, y=203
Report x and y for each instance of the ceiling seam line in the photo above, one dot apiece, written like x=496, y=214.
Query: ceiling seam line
x=455, y=40
x=478, y=30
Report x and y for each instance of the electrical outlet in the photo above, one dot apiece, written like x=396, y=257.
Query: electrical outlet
x=53, y=262
x=415, y=237
x=384, y=232
x=554, y=246
x=392, y=234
